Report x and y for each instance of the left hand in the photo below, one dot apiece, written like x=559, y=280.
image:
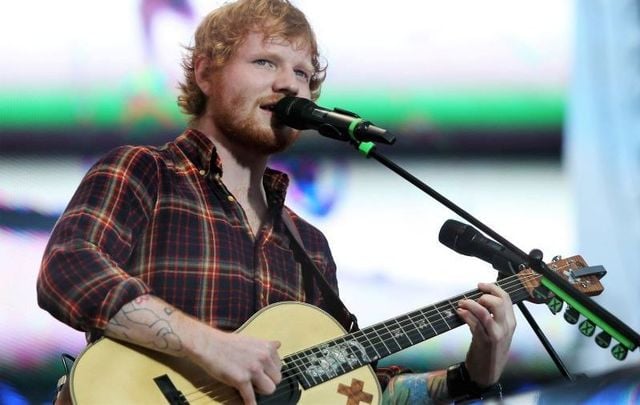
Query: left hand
x=492, y=323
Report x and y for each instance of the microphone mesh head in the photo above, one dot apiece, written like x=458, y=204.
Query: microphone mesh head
x=450, y=232
x=292, y=111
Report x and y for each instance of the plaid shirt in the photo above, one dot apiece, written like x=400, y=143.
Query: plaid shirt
x=160, y=221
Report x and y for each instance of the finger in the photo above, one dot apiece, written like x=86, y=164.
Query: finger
x=263, y=384
x=273, y=349
x=472, y=322
x=497, y=318
x=247, y=394
x=494, y=289
x=483, y=323
x=481, y=312
x=500, y=307
x=273, y=372
x=274, y=366
x=496, y=306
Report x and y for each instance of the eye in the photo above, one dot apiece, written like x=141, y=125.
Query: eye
x=264, y=62
x=303, y=75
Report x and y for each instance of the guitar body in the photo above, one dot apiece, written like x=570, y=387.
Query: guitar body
x=111, y=372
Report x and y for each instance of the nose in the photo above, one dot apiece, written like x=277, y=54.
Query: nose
x=287, y=83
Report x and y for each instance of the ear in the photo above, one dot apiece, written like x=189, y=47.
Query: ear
x=202, y=72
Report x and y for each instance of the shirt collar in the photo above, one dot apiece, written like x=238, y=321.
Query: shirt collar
x=202, y=153
x=275, y=186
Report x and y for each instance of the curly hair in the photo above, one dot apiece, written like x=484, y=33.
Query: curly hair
x=224, y=29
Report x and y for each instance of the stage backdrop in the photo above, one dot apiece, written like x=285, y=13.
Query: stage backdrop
x=448, y=77
x=78, y=75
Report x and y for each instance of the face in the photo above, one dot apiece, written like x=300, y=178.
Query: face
x=242, y=92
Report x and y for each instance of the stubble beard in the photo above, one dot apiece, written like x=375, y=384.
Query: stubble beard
x=243, y=127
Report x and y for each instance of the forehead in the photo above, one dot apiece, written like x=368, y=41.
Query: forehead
x=296, y=49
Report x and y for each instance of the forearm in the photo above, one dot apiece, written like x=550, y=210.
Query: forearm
x=243, y=362
x=150, y=322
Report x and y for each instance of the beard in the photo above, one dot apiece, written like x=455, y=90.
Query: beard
x=236, y=118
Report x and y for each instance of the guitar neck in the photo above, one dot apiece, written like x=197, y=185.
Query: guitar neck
x=336, y=357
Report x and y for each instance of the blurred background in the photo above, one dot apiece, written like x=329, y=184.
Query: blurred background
x=525, y=113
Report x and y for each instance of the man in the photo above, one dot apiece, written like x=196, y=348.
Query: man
x=172, y=248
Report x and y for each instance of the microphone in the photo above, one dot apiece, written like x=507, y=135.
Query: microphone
x=339, y=124
x=468, y=241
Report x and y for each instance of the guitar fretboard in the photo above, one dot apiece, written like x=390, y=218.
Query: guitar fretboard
x=323, y=362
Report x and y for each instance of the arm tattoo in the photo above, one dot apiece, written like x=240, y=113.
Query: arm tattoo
x=131, y=317
x=425, y=388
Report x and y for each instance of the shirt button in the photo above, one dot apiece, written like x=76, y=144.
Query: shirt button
x=230, y=198
x=202, y=172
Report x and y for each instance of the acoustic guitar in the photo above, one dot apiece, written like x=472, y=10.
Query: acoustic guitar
x=321, y=363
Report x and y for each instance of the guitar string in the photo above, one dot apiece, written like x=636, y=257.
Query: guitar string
x=408, y=319
x=294, y=368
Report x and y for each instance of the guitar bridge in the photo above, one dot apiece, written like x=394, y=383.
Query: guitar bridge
x=170, y=392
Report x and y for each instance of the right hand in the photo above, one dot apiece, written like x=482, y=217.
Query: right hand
x=248, y=364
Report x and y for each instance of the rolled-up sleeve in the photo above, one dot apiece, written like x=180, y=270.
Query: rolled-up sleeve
x=83, y=280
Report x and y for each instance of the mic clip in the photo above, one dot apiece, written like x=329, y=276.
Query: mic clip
x=362, y=134
x=332, y=132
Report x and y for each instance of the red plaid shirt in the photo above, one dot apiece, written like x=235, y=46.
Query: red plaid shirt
x=159, y=221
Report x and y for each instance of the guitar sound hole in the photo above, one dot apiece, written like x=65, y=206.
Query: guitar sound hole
x=287, y=392
x=170, y=392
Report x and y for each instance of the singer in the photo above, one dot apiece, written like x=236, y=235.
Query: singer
x=172, y=248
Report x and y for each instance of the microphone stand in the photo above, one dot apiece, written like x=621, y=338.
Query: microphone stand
x=474, y=221
x=625, y=335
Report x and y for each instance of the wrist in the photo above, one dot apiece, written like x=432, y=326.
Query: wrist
x=196, y=338
x=460, y=386
x=204, y=343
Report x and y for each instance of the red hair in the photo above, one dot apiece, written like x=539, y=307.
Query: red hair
x=224, y=29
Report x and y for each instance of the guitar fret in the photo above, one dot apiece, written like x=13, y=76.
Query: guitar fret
x=387, y=351
x=401, y=333
x=415, y=328
x=294, y=362
x=425, y=318
x=392, y=335
x=367, y=343
x=414, y=335
x=446, y=311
